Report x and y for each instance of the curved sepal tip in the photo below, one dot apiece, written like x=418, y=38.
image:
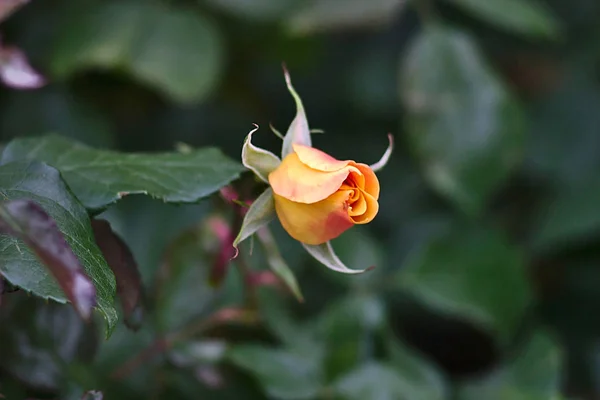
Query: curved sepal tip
x=325, y=254
x=260, y=161
x=386, y=156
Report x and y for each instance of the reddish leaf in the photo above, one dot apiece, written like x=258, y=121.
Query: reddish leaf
x=123, y=264
x=26, y=220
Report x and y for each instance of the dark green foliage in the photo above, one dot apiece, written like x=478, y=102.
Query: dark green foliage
x=486, y=282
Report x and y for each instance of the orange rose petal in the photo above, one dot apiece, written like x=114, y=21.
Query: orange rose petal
x=299, y=183
x=371, y=184
x=371, y=211
x=359, y=207
x=316, y=159
x=315, y=223
x=355, y=195
x=356, y=178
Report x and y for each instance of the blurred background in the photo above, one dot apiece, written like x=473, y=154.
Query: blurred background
x=485, y=247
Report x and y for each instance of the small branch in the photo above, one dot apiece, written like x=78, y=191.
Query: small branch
x=157, y=347
x=166, y=343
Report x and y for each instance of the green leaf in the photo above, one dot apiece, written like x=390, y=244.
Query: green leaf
x=463, y=125
x=561, y=153
x=43, y=184
x=325, y=254
x=425, y=379
x=256, y=10
x=181, y=53
x=474, y=274
x=347, y=329
x=528, y=17
x=260, y=213
x=175, y=50
x=27, y=221
x=105, y=36
x=378, y=381
x=325, y=15
x=260, y=161
x=537, y=365
x=101, y=177
x=568, y=218
x=561, y=145
x=533, y=375
x=282, y=374
x=72, y=115
x=298, y=131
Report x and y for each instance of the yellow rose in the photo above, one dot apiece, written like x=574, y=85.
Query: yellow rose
x=317, y=197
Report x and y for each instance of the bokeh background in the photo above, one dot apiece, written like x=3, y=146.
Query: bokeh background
x=486, y=243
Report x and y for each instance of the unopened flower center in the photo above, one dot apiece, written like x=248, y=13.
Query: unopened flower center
x=356, y=203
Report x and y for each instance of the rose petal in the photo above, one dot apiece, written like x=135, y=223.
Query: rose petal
x=319, y=160
x=299, y=183
x=359, y=207
x=356, y=179
x=315, y=223
x=371, y=183
x=355, y=192
x=370, y=213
